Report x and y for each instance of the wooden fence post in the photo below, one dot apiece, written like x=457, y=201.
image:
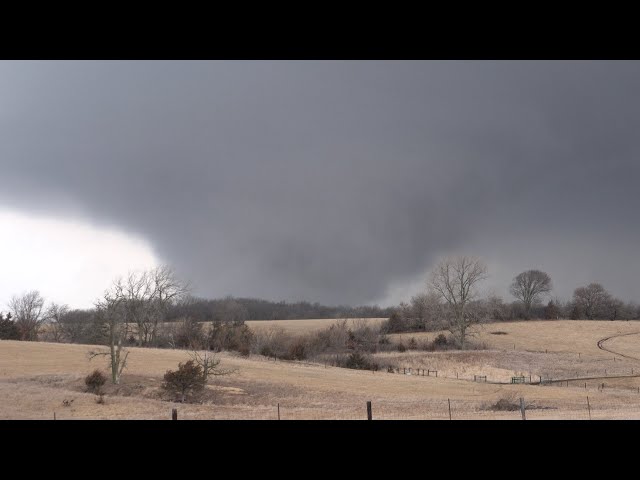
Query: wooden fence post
x=369, y=414
x=522, y=408
x=449, y=401
x=54, y=415
x=589, y=408
x=174, y=414
x=278, y=411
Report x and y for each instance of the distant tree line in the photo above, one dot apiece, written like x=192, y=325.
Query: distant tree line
x=451, y=301
x=231, y=309
x=155, y=309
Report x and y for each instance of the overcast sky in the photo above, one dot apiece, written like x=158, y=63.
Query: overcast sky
x=336, y=182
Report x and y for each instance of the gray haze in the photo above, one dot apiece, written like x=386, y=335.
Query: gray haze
x=337, y=182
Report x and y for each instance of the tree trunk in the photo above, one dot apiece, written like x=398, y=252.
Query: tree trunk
x=114, y=363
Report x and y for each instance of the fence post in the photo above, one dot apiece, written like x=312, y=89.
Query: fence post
x=278, y=411
x=369, y=414
x=449, y=401
x=522, y=409
x=54, y=415
x=436, y=373
x=589, y=408
x=456, y=374
x=174, y=414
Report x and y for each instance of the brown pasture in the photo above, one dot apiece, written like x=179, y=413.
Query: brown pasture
x=35, y=379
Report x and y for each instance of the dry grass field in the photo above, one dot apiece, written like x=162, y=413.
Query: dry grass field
x=36, y=378
x=303, y=327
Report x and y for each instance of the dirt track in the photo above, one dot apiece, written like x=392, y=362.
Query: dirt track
x=603, y=340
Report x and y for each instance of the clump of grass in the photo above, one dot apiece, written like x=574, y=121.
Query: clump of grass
x=499, y=332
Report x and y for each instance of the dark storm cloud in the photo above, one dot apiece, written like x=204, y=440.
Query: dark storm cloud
x=333, y=181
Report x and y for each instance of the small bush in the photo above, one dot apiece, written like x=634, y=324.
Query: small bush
x=412, y=345
x=95, y=381
x=394, y=324
x=390, y=369
x=187, y=379
x=440, y=341
x=358, y=361
x=189, y=334
x=8, y=329
x=230, y=336
x=100, y=399
x=267, y=351
x=297, y=350
x=401, y=347
x=505, y=405
x=384, y=340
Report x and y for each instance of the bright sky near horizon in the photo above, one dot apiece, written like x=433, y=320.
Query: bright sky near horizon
x=68, y=261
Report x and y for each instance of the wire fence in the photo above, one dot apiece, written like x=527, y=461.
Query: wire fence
x=582, y=408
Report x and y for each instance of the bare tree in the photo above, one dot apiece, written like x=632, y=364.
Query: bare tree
x=112, y=314
x=496, y=308
x=530, y=287
x=210, y=365
x=455, y=281
x=592, y=300
x=54, y=316
x=81, y=326
x=146, y=297
x=167, y=290
x=27, y=310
